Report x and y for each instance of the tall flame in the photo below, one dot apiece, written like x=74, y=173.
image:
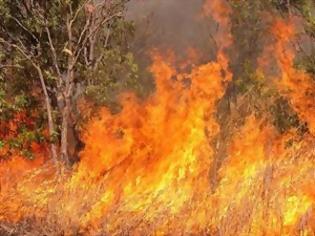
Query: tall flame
x=145, y=170
x=160, y=147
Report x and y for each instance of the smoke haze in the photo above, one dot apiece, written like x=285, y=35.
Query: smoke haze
x=171, y=24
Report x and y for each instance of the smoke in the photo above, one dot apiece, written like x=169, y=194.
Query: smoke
x=178, y=25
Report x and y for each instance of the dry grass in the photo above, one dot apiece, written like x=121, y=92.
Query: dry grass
x=257, y=206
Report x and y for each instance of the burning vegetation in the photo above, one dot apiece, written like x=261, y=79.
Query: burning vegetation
x=163, y=142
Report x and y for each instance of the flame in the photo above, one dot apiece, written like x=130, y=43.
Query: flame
x=220, y=12
x=13, y=167
x=297, y=85
x=145, y=170
x=159, y=147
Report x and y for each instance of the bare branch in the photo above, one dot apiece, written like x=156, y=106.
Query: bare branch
x=107, y=37
x=99, y=59
x=94, y=31
x=22, y=46
x=22, y=50
x=85, y=28
x=86, y=57
x=103, y=22
x=10, y=66
x=78, y=11
x=53, y=51
x=25, y=29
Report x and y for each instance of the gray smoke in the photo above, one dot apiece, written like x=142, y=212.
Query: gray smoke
x=171, y=24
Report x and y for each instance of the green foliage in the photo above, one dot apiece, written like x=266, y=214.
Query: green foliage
x=257, y=94
x=306, y=9
x=118, y=72
x=264, y=100
x=27, y=126
x=284, y=118
x=111, y=70
x=247, y=28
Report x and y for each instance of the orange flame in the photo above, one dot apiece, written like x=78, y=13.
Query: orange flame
x=158, y=147
x=296, y=84
x=144, y=171
x=220, y=12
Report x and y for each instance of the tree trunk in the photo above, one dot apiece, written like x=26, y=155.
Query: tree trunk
x=51, y=124
x=64, y=131
x=67, y=95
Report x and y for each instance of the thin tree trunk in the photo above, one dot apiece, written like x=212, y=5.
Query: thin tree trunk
x=64, y=131
x=51, y=125
x=68, y=91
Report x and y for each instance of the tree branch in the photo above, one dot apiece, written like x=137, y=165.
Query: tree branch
x=20, y=49
x=10, y=66
x=25, y=29
x=99, y=59
x=51, y=125
x=94, y=31
x=78, y=11
x=44, y=88
x=53, y=51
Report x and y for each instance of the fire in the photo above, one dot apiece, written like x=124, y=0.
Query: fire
x=158, y=148
x=220, y=12
x=296, y=84
x=145, y=170
x=12, y=168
